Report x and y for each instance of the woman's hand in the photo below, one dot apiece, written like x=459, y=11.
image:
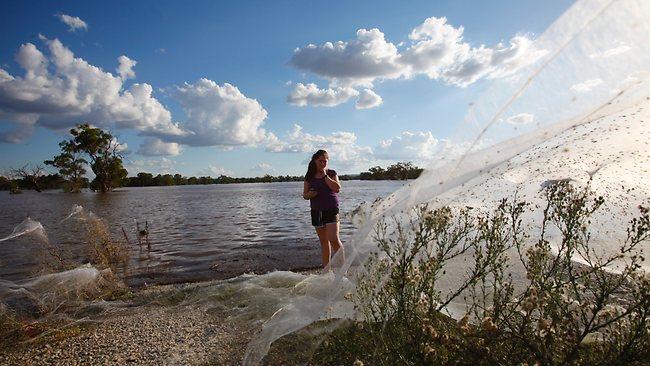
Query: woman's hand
x=333, y=183
x=307, y=192
x=310, y=194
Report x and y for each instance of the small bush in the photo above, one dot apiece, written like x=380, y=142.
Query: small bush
x=566, y=313
x=104, y=251
x=11, y=330
x=57, y=298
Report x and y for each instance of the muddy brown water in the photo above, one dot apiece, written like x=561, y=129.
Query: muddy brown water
x=195, y=232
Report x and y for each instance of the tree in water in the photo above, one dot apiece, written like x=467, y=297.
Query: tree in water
x=71, y=166
x=8, y=183
x=100, y=148
x=30, y=175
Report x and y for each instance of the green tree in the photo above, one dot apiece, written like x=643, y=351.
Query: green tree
x=377, y=172
x=224, y=179
x=167, y=180
x=399, y=171
x=9, y=183
x=71, y=166
x=205, y=180
x=179, y=180
x=5, y=183
x=101, y=149
x=145, y=179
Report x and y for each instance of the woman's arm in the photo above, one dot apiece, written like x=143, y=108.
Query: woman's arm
x=307, y=193
x=333, y=183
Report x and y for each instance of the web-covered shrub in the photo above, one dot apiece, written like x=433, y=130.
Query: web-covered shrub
x=564, y=312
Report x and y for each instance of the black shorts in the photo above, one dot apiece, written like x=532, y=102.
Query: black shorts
x=324, y=217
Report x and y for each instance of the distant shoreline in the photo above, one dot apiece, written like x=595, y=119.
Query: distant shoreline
x=398, y=171
x=117, y=189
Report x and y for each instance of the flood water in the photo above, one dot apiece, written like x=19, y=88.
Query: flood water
x=195, y=232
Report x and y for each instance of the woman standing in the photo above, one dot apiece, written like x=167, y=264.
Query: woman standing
x=321, y=188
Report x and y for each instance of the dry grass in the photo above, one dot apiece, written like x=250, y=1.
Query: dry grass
x=11, y=330
x=52, y=306
x=105, y=251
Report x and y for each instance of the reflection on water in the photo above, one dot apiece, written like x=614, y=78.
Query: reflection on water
x=196, y=232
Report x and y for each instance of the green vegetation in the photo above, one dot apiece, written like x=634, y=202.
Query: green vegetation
x=94, y=146
x=15, y=184
x=28, y=177
x=143, y=179
x=399, y=171
x=566, y=313
x=102, y=150
x=148, y=180
x=71, y=167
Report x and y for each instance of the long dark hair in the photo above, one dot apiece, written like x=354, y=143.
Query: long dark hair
x=311, y=169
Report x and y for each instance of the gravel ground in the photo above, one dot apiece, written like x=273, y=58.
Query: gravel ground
x=154, y=327
x=146, y=335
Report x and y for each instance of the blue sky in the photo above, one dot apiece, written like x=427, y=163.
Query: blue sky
x=394, y=92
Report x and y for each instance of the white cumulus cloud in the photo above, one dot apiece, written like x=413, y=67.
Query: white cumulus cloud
x=154, y=166
x=435, y=46
x=421, y=145
x=220, y=115
x=262, y=167
x=73, y=23
x=303, y=95
x=341, y=146
x=502, y=60
x=125, y=68
x=62, y=90
x=120, y=147
x=368, y=99
x=17, y=135
x=436, y=49
x=59, y=90
x=152, y=146
x=214, y=171
x=355, y=62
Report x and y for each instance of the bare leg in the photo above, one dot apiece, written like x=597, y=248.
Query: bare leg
x=324, y=245
x=335, y=242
